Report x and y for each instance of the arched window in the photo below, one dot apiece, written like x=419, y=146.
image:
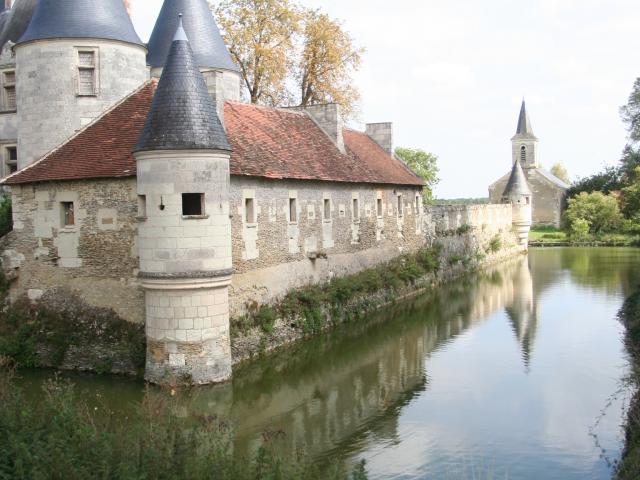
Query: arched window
x=523, y=154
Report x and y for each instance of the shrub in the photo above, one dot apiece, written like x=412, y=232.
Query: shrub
x=579, y=230
x=266, y=318
x=600, y=211
x=466, y=228
x=495, y=244
x=6, y=218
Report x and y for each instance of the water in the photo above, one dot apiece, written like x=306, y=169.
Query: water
x=510, y=374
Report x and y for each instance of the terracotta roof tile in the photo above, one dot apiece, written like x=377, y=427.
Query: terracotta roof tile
x=266, y=142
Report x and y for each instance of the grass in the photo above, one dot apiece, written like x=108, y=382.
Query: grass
x=59, y=437
x=549, y=234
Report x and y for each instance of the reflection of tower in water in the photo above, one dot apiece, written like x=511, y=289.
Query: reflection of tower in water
x=522, y=311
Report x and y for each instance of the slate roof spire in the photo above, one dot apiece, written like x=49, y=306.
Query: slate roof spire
x=524, y=124
x=517, y=184
x=206, y=42
x=104, y=19
x=182, y=115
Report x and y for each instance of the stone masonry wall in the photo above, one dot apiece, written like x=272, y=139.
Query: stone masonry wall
x=272, y=254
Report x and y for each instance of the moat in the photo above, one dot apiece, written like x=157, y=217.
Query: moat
x=512, y=373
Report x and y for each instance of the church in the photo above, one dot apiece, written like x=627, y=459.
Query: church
x=141, y=182
x=548, y=191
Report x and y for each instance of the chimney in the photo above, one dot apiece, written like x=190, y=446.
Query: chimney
x=328, y=118
x=382, y=134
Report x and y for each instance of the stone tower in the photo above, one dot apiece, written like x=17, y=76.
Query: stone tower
x=76, y=59
x=518, y=194
x=185, y=232
x=524, y=142
x=221, y=75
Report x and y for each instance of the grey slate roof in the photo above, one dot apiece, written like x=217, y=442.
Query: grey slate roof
x=182, y=115
x=15, y=21
x=206, y=42
x=104, y=19
x=524, y=124
x=552, y=178
x=517, y=184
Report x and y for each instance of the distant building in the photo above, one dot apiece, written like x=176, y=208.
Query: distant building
x=548, y=191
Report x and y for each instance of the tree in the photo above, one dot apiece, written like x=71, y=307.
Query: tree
x=559, y=171
x=424, y=164
x=327, y=62
x=599, y=211
x=630, y=196
x=630, y=113
x=259, y=35
x=606, y=181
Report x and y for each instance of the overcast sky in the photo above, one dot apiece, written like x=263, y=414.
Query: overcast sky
x=451, y=75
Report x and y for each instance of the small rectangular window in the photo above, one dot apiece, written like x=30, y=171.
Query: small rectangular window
x=68, y=215
x=400, y=206
x=87, y=73
x=193, y=204
x=249, y=210
x=293, y=210
x=417, y=204
x=327, y=209
x=142, y=206
x=379, y=207
x=9, y=87
x=11, y=159
x=356, y=209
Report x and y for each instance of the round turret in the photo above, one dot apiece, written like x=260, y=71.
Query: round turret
x=518, y=194
x=76, y=59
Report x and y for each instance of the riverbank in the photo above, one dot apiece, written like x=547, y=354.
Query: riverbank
x=544, y=236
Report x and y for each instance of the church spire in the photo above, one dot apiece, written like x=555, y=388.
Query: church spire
x=524, y=124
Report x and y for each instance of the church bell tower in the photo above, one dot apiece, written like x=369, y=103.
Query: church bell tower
x=524, y=142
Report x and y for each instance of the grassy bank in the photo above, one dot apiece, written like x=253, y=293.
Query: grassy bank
x=551, y=236
x=59, y=437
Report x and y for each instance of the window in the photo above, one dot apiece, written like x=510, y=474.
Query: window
x=87, y=73
x=356, y=210
x=417, y=204
x=193, y=204
x=327, y=209
x=400, y=209
x=68, y=216
x=379, y=208
x=11, y=159
x=142, y=206
x=523, y=154
x=528, y=200
x=293, y=210
x=249, y=210
x=9, y=90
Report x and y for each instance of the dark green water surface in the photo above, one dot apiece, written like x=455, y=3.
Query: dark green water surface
x=501, y=375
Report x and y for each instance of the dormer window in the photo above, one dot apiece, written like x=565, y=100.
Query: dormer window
x=523, y=154
x=87, y=80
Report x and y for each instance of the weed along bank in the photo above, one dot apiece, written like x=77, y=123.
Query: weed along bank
x=224, y=228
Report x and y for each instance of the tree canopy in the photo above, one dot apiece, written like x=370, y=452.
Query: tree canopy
x=289, y=55
x=559, y=171
x=424, y=164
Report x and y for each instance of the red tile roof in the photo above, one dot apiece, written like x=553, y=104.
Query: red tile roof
x=266, y=142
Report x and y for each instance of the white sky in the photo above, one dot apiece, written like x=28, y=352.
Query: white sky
x=451, y=76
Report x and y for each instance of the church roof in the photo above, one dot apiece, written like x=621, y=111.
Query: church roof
x=105, y=19
x=552, y=178
x=524, y=128
x=266, y=142
x=14, y=21
x=517, y=184
x=206, y=42
x=183, y=115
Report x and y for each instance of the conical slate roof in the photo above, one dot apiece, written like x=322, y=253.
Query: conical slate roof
x=182, y=115
x=517, y=184
x=524, y=124
x=14, y=21
x=105, y=19
x=206, y=42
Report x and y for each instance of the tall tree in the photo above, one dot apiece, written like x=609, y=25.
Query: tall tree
x=559, y=171
x=327, y=62
x=631, y=113
x=259, y=35
x=424, y=164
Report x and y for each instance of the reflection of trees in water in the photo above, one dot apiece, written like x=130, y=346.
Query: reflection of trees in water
x=350, y=385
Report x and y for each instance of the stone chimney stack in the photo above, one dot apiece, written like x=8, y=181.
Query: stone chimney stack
x=382, y=134
x=328, y=118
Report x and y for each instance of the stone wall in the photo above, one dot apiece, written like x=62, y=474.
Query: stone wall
x=272, y=254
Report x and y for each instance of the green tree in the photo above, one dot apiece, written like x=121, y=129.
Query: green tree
x=630, y=113
x=424, y=164
x=630, y=196
x=599, y=211
x=6, y=219
x=559, y=171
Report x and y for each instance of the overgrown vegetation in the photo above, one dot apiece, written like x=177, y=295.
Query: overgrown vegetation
x=312, y=308
x=6, y=218
x=41, y=334
x=59, y=436
x=495, y=244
